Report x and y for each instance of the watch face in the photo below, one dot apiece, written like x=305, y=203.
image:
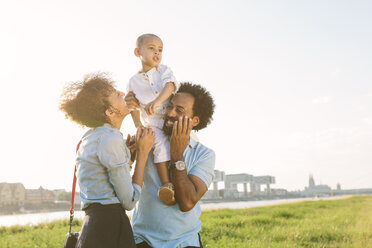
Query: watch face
x=180, y=165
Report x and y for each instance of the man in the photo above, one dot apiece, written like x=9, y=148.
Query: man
x=192, y=168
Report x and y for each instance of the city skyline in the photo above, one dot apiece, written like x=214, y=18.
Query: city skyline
x=291, y=82
x=220, y=183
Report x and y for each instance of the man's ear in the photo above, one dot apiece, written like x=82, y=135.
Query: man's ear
x=195, y=121
x=136, y=52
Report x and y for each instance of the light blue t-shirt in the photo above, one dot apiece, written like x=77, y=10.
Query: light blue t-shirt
x=164, y=226
x=103, y=169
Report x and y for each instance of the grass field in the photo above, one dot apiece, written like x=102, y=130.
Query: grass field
x=333, y=223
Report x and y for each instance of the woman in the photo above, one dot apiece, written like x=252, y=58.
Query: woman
x=106, y=187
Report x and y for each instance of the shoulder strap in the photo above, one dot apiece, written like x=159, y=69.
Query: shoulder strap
x=73, y=191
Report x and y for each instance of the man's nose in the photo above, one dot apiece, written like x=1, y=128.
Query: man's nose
x=171, y=113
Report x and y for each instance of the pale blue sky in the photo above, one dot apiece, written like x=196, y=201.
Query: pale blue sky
x=291, y=80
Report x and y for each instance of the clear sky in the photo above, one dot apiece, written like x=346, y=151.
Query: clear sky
x=292, y=81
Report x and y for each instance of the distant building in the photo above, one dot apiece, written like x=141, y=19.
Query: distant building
x=316, y=190
x=39, y=195
x=5, y=194
x=251, y=186
x=12, y=194
x=279, y=192
x=18, y=193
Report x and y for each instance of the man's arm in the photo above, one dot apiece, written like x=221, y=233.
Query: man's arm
x=189, y=188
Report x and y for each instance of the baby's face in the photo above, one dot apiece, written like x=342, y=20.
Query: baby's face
x=151, y=52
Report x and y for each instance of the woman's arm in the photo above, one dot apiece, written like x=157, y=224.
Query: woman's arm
x=113, y=156
x=144, y=143
x=136, y=118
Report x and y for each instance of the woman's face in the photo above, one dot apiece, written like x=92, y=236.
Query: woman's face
x=118, y=105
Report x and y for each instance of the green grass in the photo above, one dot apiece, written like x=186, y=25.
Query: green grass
x=336, y=223
x=46, y=235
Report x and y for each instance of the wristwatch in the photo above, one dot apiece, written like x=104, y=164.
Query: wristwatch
x=179, y=165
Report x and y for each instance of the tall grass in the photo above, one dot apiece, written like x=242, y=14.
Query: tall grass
x=332, y=223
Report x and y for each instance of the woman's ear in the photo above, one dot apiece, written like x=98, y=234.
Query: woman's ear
x=109, y=112
x=136, y=52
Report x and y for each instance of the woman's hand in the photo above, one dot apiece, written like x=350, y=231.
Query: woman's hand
x=131, y=144
x=144, y=140
x=131, y=101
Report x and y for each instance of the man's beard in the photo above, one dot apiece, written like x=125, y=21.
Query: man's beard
x=168, y=130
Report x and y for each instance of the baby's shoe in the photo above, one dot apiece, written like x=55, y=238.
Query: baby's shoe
x=166, y=194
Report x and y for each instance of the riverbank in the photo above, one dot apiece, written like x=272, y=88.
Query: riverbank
x=44, y=217
x=344, y=222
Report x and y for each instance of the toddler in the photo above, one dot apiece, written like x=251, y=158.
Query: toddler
x=153, y=85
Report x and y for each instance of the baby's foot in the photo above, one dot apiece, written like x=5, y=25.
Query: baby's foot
x=166, y=194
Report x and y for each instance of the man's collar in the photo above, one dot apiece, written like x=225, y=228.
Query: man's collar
x=192, y=143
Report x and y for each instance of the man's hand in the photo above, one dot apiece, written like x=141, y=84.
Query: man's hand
x=188, y=188
x=131, y=101
x=180, y=138
x=151, y=106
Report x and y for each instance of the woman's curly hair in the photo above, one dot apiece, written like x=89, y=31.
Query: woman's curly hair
x=203, y=106
x=85, y=102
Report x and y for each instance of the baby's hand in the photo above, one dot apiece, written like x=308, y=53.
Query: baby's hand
x=150, y=107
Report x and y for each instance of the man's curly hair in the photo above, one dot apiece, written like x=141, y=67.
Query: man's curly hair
x=85, y=102
x=203, y=106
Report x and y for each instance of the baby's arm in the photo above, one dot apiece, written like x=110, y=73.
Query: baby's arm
x=136, y=118
x=167, y=91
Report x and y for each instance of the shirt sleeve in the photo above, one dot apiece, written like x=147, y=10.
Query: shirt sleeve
x=167, y=76
x=113, y=155
x=129, y=86
x=204, y=167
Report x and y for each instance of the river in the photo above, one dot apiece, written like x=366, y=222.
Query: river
x=36, y=218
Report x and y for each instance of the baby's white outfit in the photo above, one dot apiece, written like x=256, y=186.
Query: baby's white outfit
x=147, y=86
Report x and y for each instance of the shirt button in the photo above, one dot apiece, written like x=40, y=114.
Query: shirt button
x=156, y=92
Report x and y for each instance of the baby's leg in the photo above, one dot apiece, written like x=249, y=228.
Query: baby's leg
x=166, y=191
x=161, y=160
x=163, y=172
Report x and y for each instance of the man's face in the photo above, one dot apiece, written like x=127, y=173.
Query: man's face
x=180, y=105
x=150, y=52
